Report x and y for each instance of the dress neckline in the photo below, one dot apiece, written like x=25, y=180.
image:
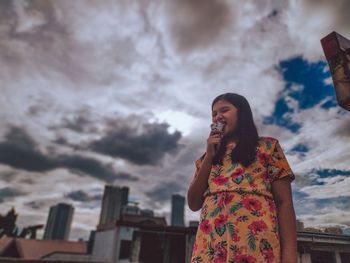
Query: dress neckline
x=230, y=146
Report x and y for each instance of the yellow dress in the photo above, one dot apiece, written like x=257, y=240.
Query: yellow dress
x=238, y=221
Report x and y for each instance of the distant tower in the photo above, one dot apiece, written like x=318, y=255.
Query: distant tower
x=114, y=199
x=300, y=225
x=177, y=210
x=59, y=222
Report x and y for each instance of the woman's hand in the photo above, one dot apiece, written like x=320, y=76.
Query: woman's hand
x=213, y=143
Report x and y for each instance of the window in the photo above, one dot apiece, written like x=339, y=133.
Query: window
x=345, y=257
x=125, y=249
x=322, y=257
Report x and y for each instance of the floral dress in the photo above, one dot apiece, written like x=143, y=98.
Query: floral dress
x=238, y=220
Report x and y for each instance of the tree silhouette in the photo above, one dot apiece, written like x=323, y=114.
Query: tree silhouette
x=9, y=228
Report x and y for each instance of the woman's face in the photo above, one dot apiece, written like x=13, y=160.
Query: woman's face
x=227, y=114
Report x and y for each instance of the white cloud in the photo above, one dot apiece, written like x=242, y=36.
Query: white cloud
x=123, y=59
x=335, y=186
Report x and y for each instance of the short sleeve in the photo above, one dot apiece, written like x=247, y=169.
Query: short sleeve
x=278, y=166
x=198, y=164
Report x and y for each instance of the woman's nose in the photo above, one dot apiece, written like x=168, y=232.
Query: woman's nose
x=218, y=118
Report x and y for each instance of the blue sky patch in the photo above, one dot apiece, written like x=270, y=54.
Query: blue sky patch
x=300, y=149
x=341, y=202
x=305, y=87
x=323, y=173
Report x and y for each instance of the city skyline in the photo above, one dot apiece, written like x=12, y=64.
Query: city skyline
x=107, y=92
x=110, y=191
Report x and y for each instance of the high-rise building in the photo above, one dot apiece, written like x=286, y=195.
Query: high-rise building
x=59, y=222
x=114, y=199
x=177, y=210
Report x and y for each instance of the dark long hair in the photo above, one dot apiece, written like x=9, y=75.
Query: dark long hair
x=245, y=133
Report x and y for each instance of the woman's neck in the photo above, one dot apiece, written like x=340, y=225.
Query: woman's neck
x=231, y=139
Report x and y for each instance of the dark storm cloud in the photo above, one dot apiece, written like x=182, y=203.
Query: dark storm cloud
x=80, y=121
x=144, y=144
x=163, y=191
x=35, y=205
x=78, y=124
x=9, y=192
x=41, y=11
x=34, y=110
x=27, y=181
x=83, y=196
x=36, y=38
x=61, y=141
x=40, y=105
x=198, y=23
x=7, y=176
x=84, y=165
x=19, y=150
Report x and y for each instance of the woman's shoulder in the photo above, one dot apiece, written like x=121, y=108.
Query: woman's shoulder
x=267, y=141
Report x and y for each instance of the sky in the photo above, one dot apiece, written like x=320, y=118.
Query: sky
x=120, y=92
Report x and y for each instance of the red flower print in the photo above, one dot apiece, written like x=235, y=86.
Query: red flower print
x=204, y=211
x=220, y=253
x=237, y=172
x=236, y=238
x=257, y=227
x=244, y=259
x=224, y=198
x=216, y=167
x=271, y=204
x=268, y=256
x=263, y=157
x=205, y=226
x=220, y=180
x=194, y=250
x=220, y=220
x=266, y=250
x=251, y=203
x=265, y=177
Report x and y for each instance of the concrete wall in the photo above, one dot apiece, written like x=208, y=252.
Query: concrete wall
x=125, y=233
x=105, y=246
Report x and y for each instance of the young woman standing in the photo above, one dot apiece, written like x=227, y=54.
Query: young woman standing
x=242, y=184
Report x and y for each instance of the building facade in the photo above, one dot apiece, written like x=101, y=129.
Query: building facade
x=177, y=210
x=132, y=242
x=59, y=222
x=113, y=202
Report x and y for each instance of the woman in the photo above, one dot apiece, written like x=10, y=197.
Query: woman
x=242, y=185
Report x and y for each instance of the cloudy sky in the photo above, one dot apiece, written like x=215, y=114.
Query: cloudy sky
x=119, y=92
